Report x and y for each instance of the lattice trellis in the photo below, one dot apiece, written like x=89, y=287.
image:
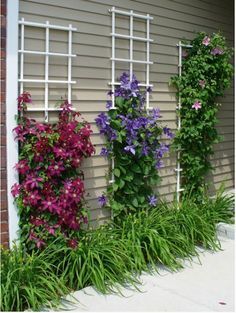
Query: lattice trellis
x=178, y=168
x=47, y=53
x=130, y=60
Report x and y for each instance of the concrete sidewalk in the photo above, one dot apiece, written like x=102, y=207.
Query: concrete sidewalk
x=206, y=287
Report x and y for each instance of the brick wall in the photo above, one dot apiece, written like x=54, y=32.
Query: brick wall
x=3, y=188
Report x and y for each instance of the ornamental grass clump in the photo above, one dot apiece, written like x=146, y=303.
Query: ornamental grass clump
x=134, y=142
x=113, y=255
x=28, y=281
x=206, y=73
x=50, y=193
x=101, y=260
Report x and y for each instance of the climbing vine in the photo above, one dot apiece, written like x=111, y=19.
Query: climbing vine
x=134, y=140
x=50, y=193
x=206, y=73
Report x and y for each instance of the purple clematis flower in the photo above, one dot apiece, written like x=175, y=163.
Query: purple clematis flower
x=168, y=132
x=104, y=152
x=159, y=164
x=102, y=200
x=102, y=120
x=152, y=200
x=130, y=149
x=156, y=114
x=108, y=104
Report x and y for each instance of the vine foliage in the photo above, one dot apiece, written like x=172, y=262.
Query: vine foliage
x=206, y=73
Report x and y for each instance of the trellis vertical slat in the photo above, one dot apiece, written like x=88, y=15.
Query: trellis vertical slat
x=46, y=91
x=131, y=45
x=69, y=62
x=22, y=56
x=178, y=167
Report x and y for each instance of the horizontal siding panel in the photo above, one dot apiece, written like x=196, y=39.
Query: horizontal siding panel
x=173, y=20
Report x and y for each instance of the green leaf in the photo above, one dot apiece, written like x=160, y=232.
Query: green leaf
x=115, y=187
x=135, y=168
x=135, y=202
x=117, y=172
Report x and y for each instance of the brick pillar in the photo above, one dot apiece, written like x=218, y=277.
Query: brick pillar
x=4, y=239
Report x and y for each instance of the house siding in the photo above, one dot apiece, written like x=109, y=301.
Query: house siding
x=4, y=236
x=173, y=21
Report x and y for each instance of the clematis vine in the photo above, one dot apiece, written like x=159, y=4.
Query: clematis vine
x=135, y=147
x=206, y=73
x=50, y=194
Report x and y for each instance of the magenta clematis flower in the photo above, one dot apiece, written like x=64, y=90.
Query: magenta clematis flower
x=34, y=198
x=56, y=168
x=206, y=41
x=22, y=167
x=15, y=190
x=51, y=205
x=37, y=221
x=32, y=181
x=40, y=243
x=73, y=243
x=197, y=105
x=202, y=83
x=60, y=152
x=51, y=230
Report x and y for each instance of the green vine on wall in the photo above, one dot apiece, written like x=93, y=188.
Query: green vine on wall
x=206, y=73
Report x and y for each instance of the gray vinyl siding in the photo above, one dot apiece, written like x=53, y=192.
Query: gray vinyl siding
x=173, y=20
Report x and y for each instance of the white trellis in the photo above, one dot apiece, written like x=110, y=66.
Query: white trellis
x=47, y=53
x=178, y=169
x=130, y=60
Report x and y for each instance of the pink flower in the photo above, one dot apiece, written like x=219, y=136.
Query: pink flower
x=22, y=167
x=217, y=51
x=202, y=83
x=206, y=41
x=15, y=190
x=197, y=105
